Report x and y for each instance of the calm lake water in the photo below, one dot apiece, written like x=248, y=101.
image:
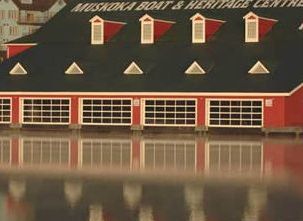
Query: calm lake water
x=152, y=177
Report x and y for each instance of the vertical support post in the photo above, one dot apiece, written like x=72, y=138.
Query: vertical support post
x=136, y=151
x=74, y=121
x=136, y=115
x=15, y=151
x=201, y=120
x=74, y=152
x=15, y=108
x=200, y=154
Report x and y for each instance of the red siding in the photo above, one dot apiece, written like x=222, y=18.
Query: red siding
x=13, y=50
x=274, y=115
x=74, y=110
x=212, y=26
x=294, y=109
x=15, y=110
x=265, y=25
x=15, y=151
x=111, y=29
x=201, y=112
x=160, y=27
x=274, y=157
x=136, y=112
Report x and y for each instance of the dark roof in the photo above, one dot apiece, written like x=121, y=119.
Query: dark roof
x=226, y=56
x=37, y=5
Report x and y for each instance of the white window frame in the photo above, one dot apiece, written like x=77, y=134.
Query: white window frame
x=37, y=139
x=94, y=25
x=10, y=110
x=103, y=141
x=143, y=23
x=195, y=22
x=106, y=124
x=207, y=111
x=167, y=142
x=248, y=21
x=143, y=118
x=239, y=144
x=44, y=98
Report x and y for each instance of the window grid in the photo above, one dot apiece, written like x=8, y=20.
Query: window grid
x=169, y=155
x=5, y=110
x=5, y=151
x=97, y=32
x=106, y=153
x=147, y=32
x=46, y=111
x=235, y=113
x=251, y=31
x=198, y=31
x=170, y=112
x=235, y=157
x=45, y=151
x=106, y=111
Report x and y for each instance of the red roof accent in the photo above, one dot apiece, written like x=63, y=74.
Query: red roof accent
x=160, y=28
x=198, y=18
x=147, y=19
x=252, y=17
x=265, y=25
x=111, y=29
x=13, y=50
x=212, y=26
x=97, y=21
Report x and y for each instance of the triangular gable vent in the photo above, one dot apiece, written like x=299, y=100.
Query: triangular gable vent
x=133, y=68
x=195, y=68
x=74, y=69
x=18, y=69
x=258, y=68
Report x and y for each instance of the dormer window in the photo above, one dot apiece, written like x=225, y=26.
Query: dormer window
x=257, y=27
x=133, y=68
x=102, y=30
x=152, y=29
x=195, y=68
x=258, y=68
x=18, y=69
x=198, y=28
x=204, y=28
x=74, y=69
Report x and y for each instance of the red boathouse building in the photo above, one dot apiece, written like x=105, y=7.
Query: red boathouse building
x=168, y=67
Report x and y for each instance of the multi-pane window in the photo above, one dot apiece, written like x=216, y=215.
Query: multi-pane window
x=170, y=155
x=234, y=157
x=13, y=30
x=46, y=111
x=147, y=32
x=5, y=151
x=170, y=112
x=45, y=151
x=198, y=33
x=106, y=153
x=235, y=113
x=97, y=33
x=106, y=111
x=251, y=30
x=2, y=14
x=5, y=110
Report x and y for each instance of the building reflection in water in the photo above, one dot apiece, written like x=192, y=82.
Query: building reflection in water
x=151, y=178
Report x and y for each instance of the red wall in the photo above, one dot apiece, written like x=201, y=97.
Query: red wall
x=160, y=27
x=275, y=116
x=294, y=109
x=13, y=50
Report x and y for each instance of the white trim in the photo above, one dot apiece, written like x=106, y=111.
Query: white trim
x=116, y=22
x=71, y=67
x=43, y=123
x=161, y=20
x=254, y=68
x=207, y=111
x=125, y=93
x=165, y=124
x=194, y=65
x=151, y=40
x=10, y=110
x=128, y=70
x=296, y=89
x=14, y=69
x=102, y=123
x=18, y=44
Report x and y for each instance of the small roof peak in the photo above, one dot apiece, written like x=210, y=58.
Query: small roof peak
x=74, y=69
x=18, y=69
x=197, y=16
x=195, y=68
x=146, y=17
x=250, y=15
x=258, y=68
x=133, y=68
x=96, y=18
